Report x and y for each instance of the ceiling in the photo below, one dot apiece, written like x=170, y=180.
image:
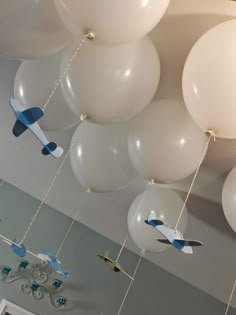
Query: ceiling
x=22, y=164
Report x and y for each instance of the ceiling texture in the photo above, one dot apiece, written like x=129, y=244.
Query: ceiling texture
x=212, y=269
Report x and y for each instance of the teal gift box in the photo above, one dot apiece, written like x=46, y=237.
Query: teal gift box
x=57, y=283
x=6, y=270
x=24, y=264
x=34, y=286
x=61, y=300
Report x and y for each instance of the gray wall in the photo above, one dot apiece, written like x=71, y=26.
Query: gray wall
x=92, y=287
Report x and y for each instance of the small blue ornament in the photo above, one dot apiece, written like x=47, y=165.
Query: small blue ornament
x=34, y=286
x=6, y=270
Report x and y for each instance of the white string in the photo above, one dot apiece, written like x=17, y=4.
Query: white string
x=211, y=134
x=68, y=231
x=230, y=299
x=131, y=282
x=50, y=186
x=131, y=225
x=89, y=36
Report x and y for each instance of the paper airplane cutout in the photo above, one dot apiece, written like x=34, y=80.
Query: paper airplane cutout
x=114, y=265
x=18, y=250
x=172, y=237
x=45, y=255
x=27, y=119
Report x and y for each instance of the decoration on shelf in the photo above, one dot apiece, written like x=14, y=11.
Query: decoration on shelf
x=209, y=82
x=99, y=157
x=165, y=145
x=172, y=236
x=138, y=18
x=99, y=70
x=38, y=281
x=27, y=119
x=53, y=262
x=113, y=264
x=155, y=197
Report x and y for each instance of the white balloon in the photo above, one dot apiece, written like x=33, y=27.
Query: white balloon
x=167, y=204
x=99, y=157
x=209, y=80
x=30, y=29
x=34, y=82
x=229, y=198
x=164, y=143
x=111, y=84
x=113, y=22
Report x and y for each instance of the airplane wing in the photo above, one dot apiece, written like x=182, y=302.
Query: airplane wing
x=164, y=241
x=33, y=114
x=19, y=128
x=44, y=257
x=105, y=258
x=189, y=242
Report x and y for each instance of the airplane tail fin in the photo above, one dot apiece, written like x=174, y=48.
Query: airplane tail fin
x=53, y=149
x=152, y=220
x=106, y=254
x=188, y=242
x=65, y=274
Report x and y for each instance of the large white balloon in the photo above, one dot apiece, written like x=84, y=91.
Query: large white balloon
x=167, y=204
x=164, y=143
x=99, y=157
x=30, y=29
x=116, y=21
x=229, y=198
x=209, y=80
x=111, y=84
x=34, y=82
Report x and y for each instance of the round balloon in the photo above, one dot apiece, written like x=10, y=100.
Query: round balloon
x=167, y=204
x=99, y=157
x=113, y=22
x=209, y=80
x=34, y=82
x=30, y=29
x=111, y=84
x=164, y=143
x=229, y=198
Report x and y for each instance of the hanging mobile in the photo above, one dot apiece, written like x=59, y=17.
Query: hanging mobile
x=172, y=236
x=113, y=264
x=28, y=118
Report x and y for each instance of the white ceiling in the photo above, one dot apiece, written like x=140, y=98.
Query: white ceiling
x=22, y=164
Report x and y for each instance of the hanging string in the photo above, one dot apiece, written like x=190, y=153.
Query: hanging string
x=131, y=225
x=131, y=281
x=230, y=298
x=88, y=36
x=82, y=118
x=69, y=230
x=211, y=135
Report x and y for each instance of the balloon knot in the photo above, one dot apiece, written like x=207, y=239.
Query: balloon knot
x=152, y=182
x=211, y=133
x=83, y=117
x=90, y=36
